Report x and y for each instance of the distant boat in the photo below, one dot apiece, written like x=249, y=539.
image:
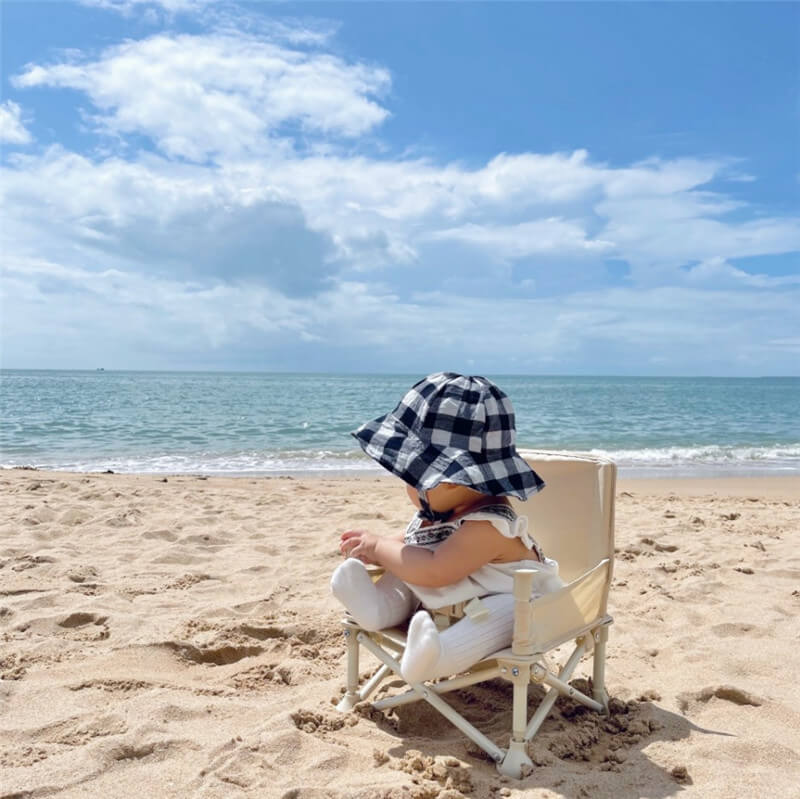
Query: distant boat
x=100, y=369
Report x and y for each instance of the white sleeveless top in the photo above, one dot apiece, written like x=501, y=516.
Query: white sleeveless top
x=491, y=578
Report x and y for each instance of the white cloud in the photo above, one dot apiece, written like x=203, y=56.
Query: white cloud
x=789, y=345
x=552, y=236
x=163, y=218
x=56, y=314
x=655, y=237
x=263, y=222
x=126, y=307
x=655, y=177
x=360, y=214
x=251, y=103
x=718, y=272
x=12, y=130
x=129, y=6
x=220, y=96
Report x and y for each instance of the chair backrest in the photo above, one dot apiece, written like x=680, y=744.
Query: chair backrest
x=572, y=518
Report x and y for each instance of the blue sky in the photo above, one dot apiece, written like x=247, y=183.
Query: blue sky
x=572, y=188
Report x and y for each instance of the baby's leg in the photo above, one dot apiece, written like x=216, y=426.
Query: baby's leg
x=373, y=606
x=430, y=653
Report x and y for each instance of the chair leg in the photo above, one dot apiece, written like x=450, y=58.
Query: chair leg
x=427, y=693
x=351, y=697
x=517, y=756
x=599, y=667
x=540, y=674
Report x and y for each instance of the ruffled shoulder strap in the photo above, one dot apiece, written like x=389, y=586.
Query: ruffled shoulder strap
x=505, y=520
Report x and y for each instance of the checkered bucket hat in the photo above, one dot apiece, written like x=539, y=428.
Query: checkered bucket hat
x=452, y=429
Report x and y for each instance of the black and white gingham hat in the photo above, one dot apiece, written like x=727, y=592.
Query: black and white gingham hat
x=452, y=429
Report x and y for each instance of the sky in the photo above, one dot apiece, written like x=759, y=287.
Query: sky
x=501, y=188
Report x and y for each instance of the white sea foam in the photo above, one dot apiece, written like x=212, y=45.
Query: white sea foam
x=296, y=462
x=654, y=461
x=700, y=454
x=705, y=460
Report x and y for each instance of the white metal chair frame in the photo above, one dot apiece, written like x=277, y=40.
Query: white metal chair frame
x=575, y=612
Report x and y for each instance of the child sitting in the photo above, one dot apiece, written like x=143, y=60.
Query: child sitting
x=452, y=440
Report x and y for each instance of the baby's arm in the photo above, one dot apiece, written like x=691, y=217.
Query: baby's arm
x=350, y=544
x=473, y=545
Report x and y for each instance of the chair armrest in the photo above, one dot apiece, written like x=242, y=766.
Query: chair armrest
x=558, y=616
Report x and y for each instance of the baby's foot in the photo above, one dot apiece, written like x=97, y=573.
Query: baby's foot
x=353, y=587
x=423, y=649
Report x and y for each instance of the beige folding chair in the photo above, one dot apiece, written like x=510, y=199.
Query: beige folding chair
x=573, y=520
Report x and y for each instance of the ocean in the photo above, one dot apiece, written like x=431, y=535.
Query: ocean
x=277, y=424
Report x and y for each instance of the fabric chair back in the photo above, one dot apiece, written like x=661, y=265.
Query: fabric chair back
x=572, y=518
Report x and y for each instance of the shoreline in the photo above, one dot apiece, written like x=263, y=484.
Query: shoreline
x=761, y=485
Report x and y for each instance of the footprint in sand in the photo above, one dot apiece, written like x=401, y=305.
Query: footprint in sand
x=78, y=626
x=219, y=655
x=81, y=620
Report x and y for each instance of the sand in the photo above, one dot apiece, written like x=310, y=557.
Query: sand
x=175, y=637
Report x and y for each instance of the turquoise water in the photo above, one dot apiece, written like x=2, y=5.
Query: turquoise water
x=260, y=423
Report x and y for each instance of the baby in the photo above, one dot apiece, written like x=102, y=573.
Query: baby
x=452, y=440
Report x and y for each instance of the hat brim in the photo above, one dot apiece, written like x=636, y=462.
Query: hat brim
x=423, y=465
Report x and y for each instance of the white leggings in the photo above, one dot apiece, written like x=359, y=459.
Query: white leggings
x=429, y=653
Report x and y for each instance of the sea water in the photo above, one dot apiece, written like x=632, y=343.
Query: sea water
x=266, y=423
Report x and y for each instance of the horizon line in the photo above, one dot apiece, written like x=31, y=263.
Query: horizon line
x=96, y=370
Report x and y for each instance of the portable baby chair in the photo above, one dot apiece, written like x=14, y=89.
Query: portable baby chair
x=573, y=521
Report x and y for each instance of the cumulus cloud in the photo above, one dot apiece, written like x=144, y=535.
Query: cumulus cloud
x=12, y=130
x=220, y=95
x=298, y=221
x=161, y=218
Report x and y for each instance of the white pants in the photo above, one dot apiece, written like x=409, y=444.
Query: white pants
x=429, y=653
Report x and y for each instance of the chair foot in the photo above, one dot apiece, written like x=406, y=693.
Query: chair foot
x=516, y=757
x=348, y=702
x=601, y=696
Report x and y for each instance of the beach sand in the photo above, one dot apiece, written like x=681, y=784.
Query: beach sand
x=175, y=637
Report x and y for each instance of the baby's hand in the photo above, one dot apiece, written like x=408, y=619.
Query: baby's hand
x=358, y=544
